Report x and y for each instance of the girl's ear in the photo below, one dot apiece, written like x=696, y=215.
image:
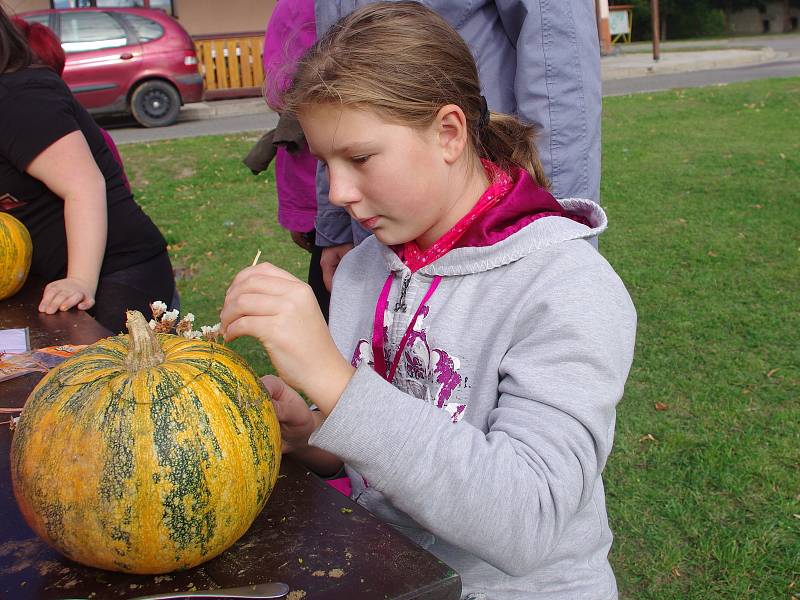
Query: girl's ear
x=451, y=130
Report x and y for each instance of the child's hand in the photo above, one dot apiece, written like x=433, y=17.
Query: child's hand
x=298, y=422
x=279, y=310
x=296, y=419
x=63, y=294
x=329, y=261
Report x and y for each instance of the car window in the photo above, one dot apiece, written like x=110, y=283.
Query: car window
x=134, y=3
x=71, y=3
x=165, y=5
x=146, y=30
x=42, y=19
x=90, y=31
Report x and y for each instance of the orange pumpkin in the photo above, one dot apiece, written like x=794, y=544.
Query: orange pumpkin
x=16, y=251
x=145, y=453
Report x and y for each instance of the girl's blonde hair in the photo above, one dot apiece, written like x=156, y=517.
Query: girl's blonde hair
x=405, y=62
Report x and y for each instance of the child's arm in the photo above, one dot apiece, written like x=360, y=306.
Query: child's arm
x=68, y=168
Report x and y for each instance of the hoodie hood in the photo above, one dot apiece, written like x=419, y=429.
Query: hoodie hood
x=526, y=220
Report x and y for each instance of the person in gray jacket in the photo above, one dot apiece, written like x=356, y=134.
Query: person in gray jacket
x=478, y=344
x=537, y=59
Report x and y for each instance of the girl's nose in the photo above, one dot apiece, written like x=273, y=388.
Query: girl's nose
x=342, y=191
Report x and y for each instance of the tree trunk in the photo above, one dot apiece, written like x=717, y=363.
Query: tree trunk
x=787, y=17
x=728, y=13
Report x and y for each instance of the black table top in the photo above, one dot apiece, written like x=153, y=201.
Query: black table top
x=308, y=536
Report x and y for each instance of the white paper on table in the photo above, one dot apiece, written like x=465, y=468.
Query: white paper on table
x=14, y=341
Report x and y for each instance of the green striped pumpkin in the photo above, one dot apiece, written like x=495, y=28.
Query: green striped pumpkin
x=145, y=453
x=16, y=251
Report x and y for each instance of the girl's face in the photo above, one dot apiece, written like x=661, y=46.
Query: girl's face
x=395, y=180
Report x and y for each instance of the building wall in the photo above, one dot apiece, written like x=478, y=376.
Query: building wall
x=199, y=17
x=752, y=21
x=211, y=17
x=16, y=6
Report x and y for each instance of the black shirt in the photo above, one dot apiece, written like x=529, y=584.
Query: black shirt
x=36, y=110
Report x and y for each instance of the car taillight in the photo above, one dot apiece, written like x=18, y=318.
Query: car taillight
x=189, y=60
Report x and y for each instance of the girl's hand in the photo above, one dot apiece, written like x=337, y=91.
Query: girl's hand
x=296, y=419
x=298, y=422
x=329, y=261
x=279, y=310
x=63, y=294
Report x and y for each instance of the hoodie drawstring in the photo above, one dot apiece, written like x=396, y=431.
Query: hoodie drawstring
x=378, y=324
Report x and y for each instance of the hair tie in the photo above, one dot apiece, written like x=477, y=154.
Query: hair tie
x=483, y=120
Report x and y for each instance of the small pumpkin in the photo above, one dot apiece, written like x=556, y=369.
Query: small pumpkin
x=16, y=251
x=145, y=452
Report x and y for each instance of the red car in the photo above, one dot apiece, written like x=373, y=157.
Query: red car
x=126, y=60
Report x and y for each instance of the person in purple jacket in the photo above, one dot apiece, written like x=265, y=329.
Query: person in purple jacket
x=290, y=32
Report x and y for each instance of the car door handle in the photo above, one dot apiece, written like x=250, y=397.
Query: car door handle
x=126, y=56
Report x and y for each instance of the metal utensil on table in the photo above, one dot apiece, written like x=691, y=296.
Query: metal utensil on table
x=261, y=590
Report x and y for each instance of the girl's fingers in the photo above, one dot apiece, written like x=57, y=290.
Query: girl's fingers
x=240, y=327
x=275, y=386
x=86, y=304
x=263, y=284
x=47, y=299
x=250, y=304
x=263, y=269
x=70, y=300
x=54, y=303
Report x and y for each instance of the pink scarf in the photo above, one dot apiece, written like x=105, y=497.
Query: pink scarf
x=500, y=183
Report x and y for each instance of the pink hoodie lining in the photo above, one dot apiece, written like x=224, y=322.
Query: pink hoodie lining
x=511, y=202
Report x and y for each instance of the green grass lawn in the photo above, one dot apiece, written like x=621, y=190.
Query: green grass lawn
x=702, y=188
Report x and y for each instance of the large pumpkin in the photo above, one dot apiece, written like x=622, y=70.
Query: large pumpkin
x=16, y=251
x=145, y=453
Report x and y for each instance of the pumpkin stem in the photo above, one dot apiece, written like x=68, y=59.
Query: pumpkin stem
x=144, y=350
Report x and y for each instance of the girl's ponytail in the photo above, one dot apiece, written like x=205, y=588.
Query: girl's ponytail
x=508, y=142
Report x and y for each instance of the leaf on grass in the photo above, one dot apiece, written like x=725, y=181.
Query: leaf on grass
x=756, y=206
x=712, y=254
x=661, y=406
x=782, y=155
x=772, y=372
x=676, y=572
x=183, y=273
x=647, y=438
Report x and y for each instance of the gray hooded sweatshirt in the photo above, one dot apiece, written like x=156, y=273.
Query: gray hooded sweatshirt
x=488, y=447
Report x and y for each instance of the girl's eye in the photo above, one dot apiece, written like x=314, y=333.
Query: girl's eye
x=360, y=159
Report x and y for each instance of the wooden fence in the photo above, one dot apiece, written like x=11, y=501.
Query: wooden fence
x=231, y=66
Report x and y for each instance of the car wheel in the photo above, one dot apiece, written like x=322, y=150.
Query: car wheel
x=155, y=104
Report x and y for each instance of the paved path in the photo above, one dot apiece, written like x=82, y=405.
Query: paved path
x=667, y=81
x=631, y=69
x=257, y=118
